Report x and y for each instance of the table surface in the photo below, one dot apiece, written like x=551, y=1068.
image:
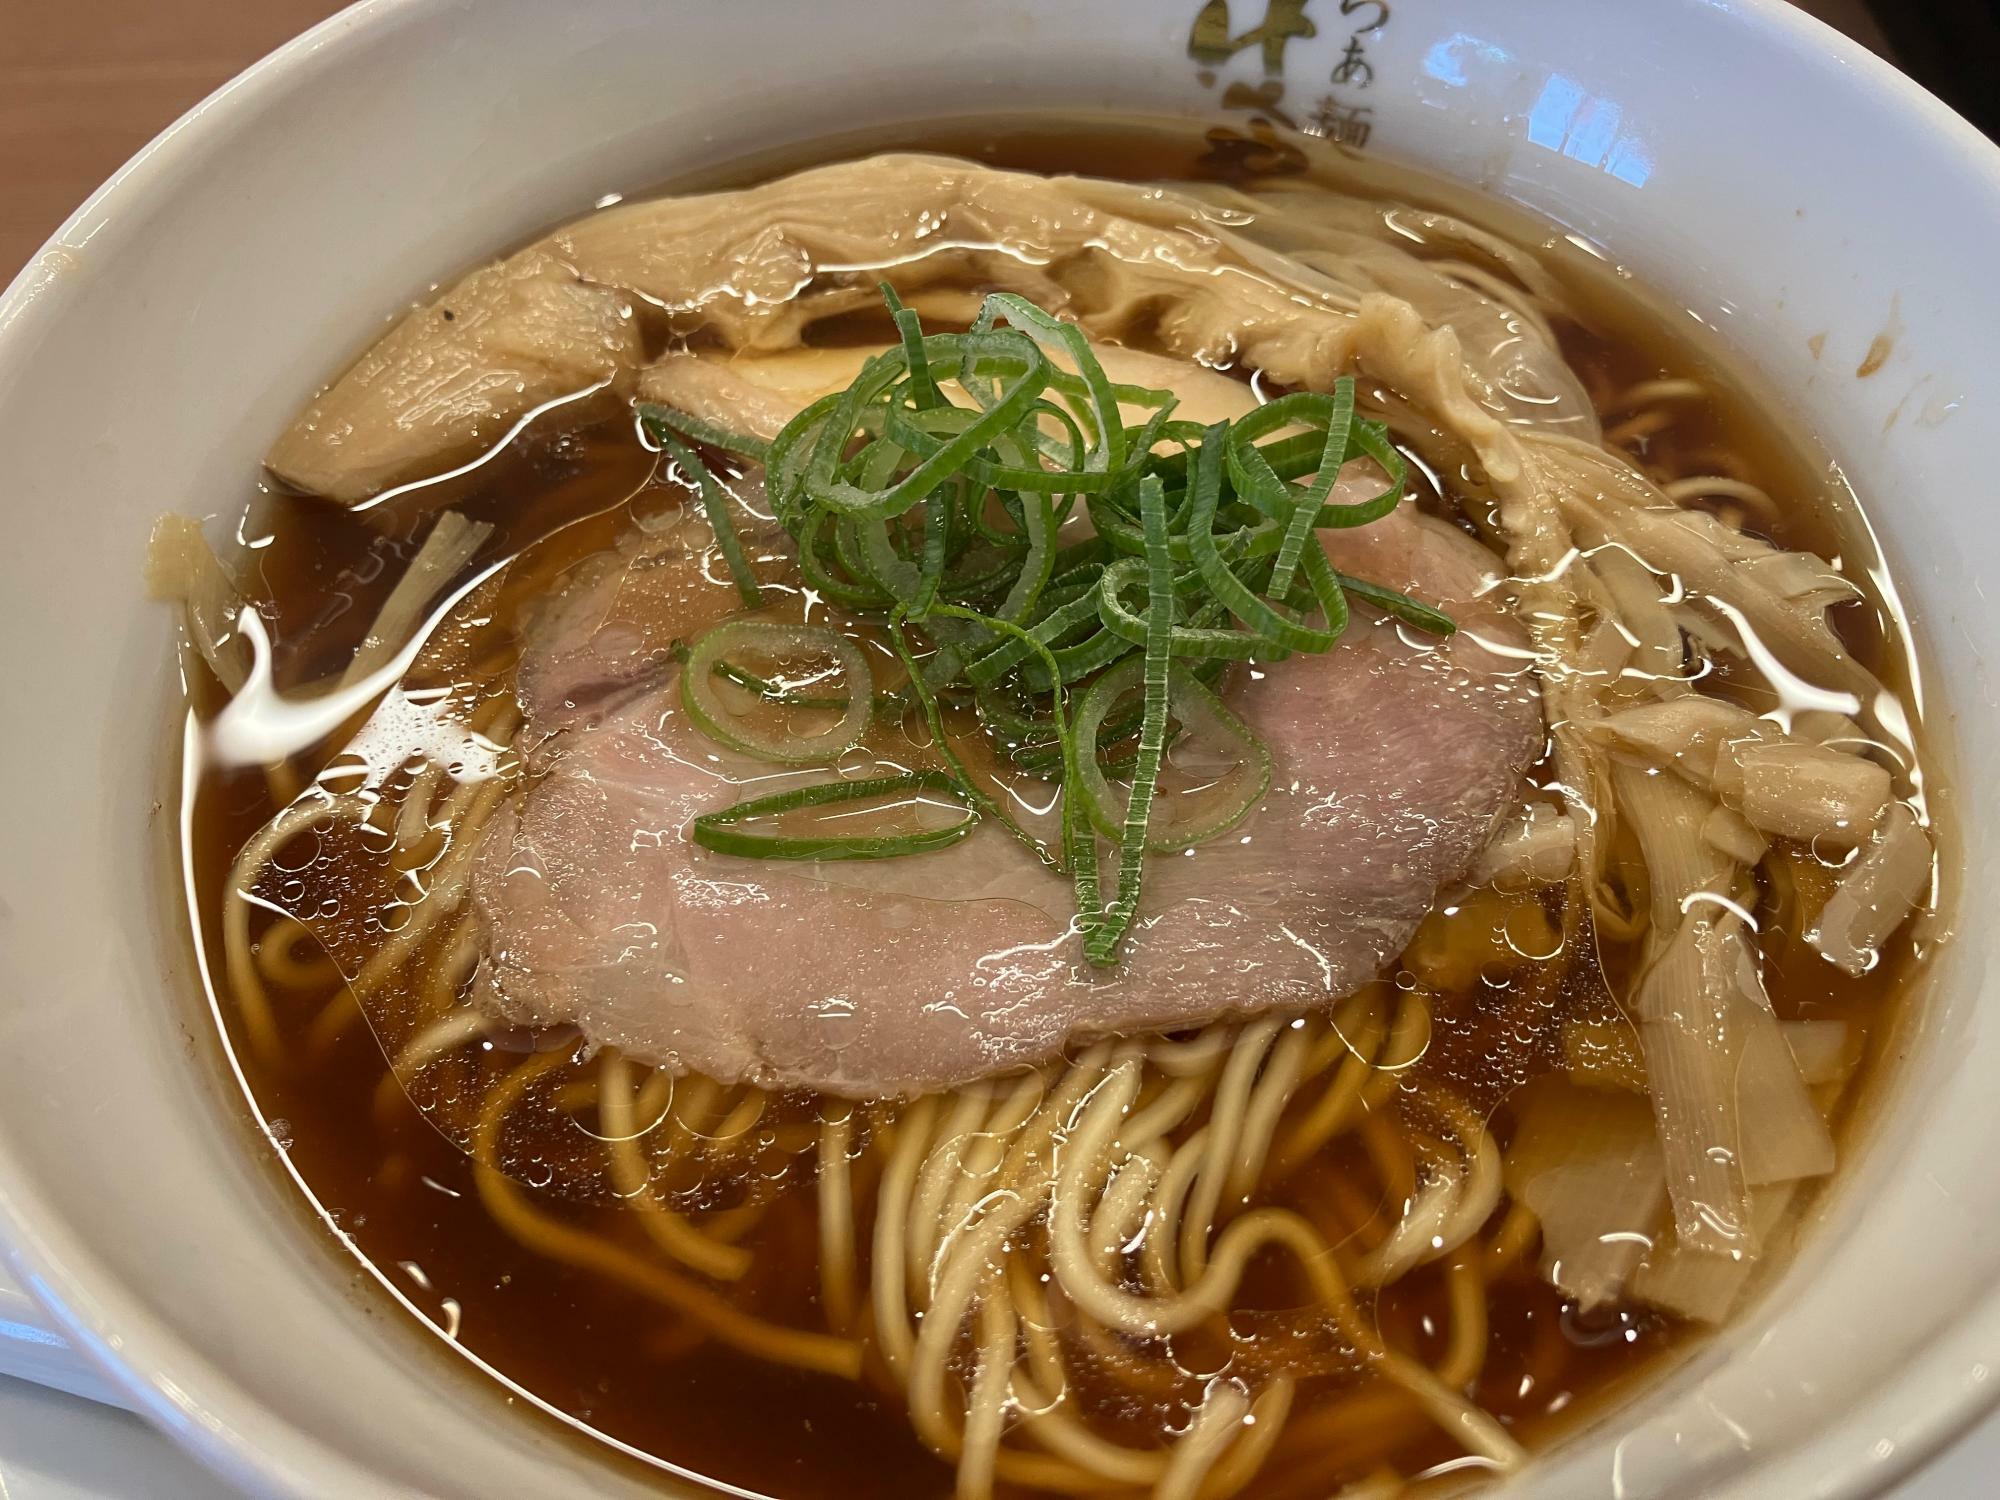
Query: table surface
x=83, y=85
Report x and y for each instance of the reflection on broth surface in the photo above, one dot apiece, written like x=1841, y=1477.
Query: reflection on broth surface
x=1470, y=1023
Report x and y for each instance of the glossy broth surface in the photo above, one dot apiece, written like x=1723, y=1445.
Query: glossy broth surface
x=401, y=1194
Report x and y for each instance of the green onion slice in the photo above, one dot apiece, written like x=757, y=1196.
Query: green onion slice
x=816, y=535
x=727, y=643
x=1079, y=846
x=1184, y=640
x=1156, y=666
x=1275, y=624
x=1399, y=605
x=770, y=691
x=715, y=502
x=659, y=420
x=1207, y=728
x=728, y=831
x=932, y=495
x=1257, y=480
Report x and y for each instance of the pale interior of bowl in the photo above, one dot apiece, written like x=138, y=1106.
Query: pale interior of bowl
x=1777, y=190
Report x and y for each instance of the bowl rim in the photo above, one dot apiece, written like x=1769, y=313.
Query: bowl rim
x=174, y=1385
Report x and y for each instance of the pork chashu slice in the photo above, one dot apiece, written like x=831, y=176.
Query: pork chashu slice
x=1393, y=756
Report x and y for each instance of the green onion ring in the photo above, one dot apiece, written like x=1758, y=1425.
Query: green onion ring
x=722, y=831
x=1156, y=669
x=658, y=419
x=1235, y=645
x=699, y=698
x=934, y=493
x=1200, y=713
x=715, y=505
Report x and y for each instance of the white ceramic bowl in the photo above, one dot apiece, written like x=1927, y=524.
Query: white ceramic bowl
x=1786, y=188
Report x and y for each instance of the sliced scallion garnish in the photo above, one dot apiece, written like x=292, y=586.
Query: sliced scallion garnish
x=715, y=503
x=1206, y=726
x=960, y=778
x=659, y=420
x=922, y=513
x=770, y=691
x=731, y=830
x=1102, y=945
x=826, y=648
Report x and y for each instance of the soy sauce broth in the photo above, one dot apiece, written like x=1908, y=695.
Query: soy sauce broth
x=401, y=1196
